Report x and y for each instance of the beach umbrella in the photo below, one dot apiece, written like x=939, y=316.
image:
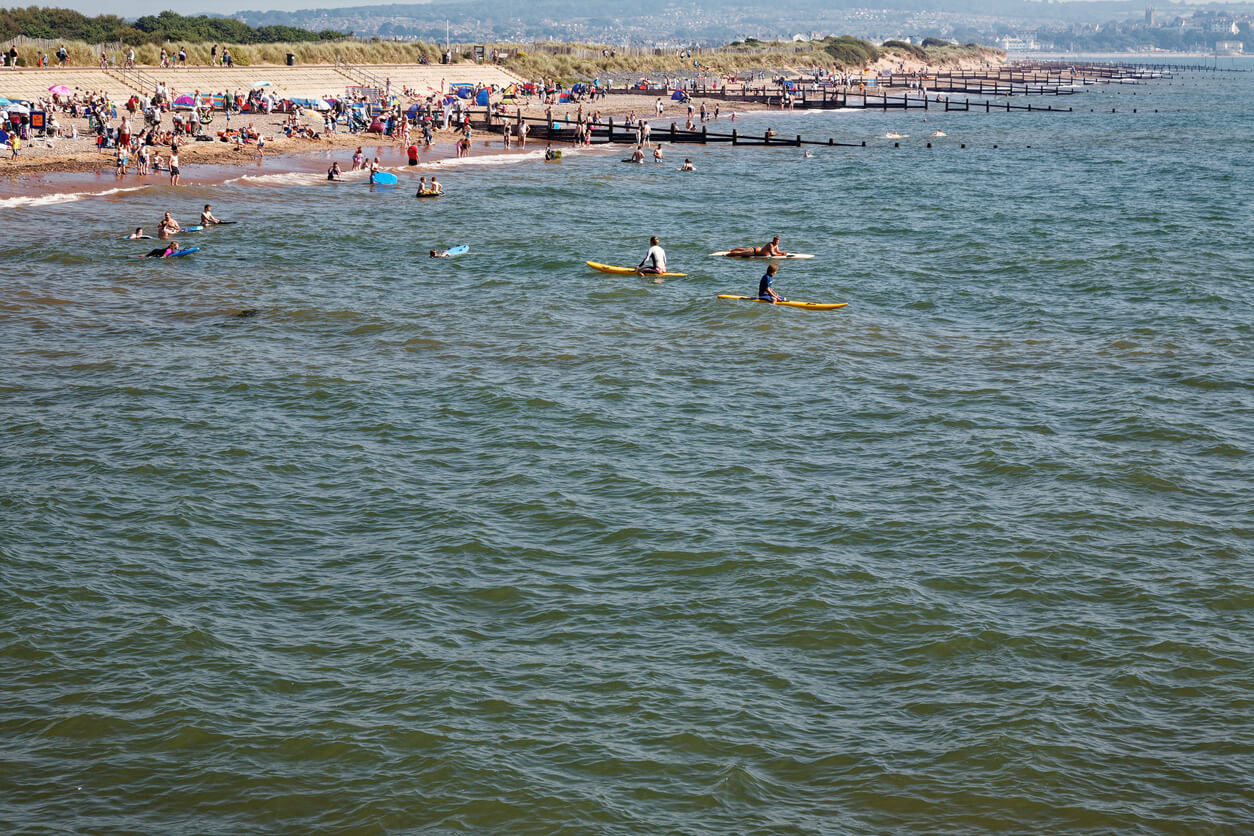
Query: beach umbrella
x=322, y=104
x=59, y=90
x=13, y=107
x=262, y=84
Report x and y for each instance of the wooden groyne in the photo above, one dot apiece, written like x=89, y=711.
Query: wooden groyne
x=621, y=132
x=821, y=97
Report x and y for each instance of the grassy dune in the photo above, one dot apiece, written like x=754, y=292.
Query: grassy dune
x=834, y=54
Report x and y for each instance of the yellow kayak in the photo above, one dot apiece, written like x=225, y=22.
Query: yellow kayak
x=807, y=306
x=624, y=271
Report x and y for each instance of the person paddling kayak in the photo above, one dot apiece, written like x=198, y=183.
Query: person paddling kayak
x=767, y=250
x=655, y=258
x=765, y=292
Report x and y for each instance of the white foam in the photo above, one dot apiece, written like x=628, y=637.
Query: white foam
x=59, y=197
x=486, y=159
x=287, y=178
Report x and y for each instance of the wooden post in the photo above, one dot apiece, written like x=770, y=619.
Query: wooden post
x=704, y=137
x=734, y=136
x=766, y=138
x=798, y=140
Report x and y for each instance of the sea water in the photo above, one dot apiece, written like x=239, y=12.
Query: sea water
x=309, y=532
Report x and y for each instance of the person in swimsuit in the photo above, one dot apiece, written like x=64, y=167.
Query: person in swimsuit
x=164, y=252
x=657, y=154
x=168, y=226
x=765, y=292
x=655, y=258
x=687, y=166
x=138, y=233
x=436, y=188
x=207, y=218
x=768, y=250
x=333, y=173
x=442, y=254
x=174, y=167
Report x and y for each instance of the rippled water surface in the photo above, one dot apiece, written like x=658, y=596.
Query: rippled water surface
x=310, y=533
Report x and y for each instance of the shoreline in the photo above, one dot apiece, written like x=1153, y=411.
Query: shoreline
x=80, y=156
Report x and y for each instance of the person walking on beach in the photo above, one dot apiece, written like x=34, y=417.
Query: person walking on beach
x=655, y=258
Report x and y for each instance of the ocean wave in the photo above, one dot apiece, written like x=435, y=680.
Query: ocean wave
x=287, y=178
x=59, y=197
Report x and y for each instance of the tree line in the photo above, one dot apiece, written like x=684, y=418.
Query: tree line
x=54, y=24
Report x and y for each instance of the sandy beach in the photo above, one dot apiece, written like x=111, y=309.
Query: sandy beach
x=82, y=155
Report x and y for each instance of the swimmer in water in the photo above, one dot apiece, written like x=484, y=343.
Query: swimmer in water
x=442, y=254
x=138, y=233
x=687, y=166
x=207, y=218
x=333, y=173
x=168, y=226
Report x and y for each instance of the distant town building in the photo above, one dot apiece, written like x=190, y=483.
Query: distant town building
x=1229, y=48
x=1149, y=16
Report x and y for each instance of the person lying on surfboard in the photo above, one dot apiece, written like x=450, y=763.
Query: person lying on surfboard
x=655, y=257
x=443, y=254
x=767, y=250
x=765, y=292
x=168, y=250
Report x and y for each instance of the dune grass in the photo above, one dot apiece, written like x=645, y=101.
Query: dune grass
x=579, y=61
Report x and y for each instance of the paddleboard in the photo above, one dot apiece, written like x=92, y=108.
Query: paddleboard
x=808, y=306
x=789, y=256
x=459, y=250
x=626, y=271
x=384, y=178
